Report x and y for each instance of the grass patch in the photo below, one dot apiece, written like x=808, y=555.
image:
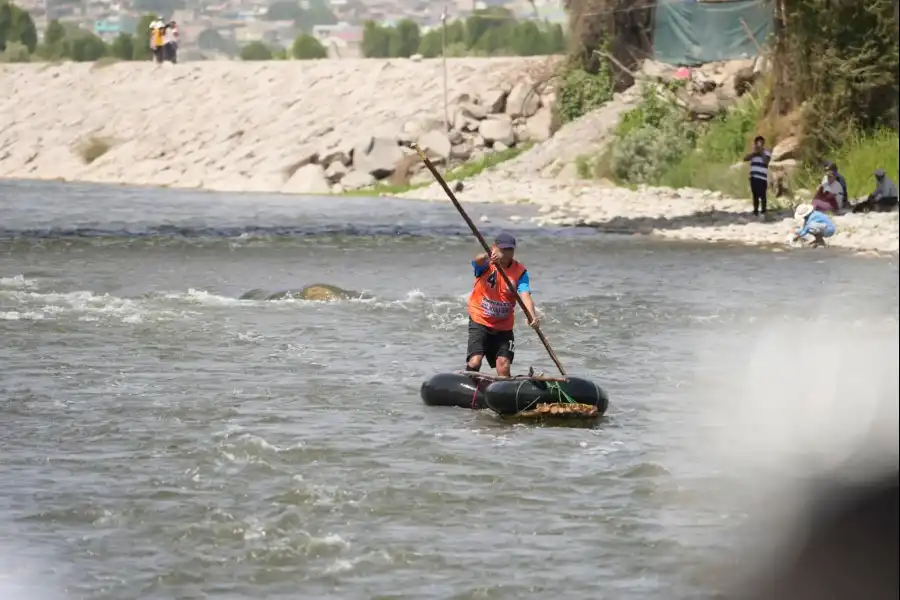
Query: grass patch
x=463, y=171
x=93, y=148
x=723, y=144
x=488, y=161
x=653, y=144
x=383, y=188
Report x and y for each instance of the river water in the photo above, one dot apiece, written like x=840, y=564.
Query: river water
x=162, y=438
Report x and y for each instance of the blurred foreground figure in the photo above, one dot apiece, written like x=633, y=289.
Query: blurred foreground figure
x=847, y=551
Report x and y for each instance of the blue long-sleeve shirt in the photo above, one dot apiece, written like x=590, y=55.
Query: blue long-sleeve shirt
x=817, y=217
x=524, y=282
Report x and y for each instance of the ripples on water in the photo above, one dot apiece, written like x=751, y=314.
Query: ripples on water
x=163, y=439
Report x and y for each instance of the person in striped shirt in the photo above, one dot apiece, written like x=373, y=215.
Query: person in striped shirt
x=759, y=174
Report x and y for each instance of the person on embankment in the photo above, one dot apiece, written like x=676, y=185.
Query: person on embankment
x=759, y=159
x=157, y=40
x=492, y=306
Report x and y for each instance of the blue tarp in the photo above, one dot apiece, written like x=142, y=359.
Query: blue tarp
x=688, y=32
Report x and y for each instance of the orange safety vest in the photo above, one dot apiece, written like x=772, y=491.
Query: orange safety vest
x=492, y=303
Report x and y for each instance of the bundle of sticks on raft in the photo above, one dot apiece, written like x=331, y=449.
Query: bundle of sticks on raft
x=560, y=409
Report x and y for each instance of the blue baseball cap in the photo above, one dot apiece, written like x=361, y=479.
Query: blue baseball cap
x=505, y=240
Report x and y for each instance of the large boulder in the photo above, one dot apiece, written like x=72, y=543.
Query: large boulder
x=308, y=179
x=332, y=153
x=786, y=149
x=355, y=180
x=335, y=171
x=376, y=156
x=523, y=100
x=538, y=127
x=435, y=144
x=472, y=111
x=461, y=121
x=497, y=130
x=494, y=101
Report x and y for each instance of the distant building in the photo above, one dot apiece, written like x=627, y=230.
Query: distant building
x=341, y=40
x=109, y=28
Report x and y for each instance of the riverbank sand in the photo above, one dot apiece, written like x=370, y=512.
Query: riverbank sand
x=248, y=127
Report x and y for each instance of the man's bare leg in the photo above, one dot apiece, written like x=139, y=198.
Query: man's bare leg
x=503, y=366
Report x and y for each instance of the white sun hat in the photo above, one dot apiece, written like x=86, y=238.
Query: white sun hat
x=803, y=211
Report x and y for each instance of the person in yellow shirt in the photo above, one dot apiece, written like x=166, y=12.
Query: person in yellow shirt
x=157, y=40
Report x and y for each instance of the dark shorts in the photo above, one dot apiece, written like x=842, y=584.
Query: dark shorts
x=490, y=343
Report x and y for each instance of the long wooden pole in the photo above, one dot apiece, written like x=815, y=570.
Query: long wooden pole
x=487, y=249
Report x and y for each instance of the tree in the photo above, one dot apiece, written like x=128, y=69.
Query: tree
x=306, y=47
x=404, y=39
x=85, y=47
x=54, y=33
x=556, y=38
x=527, y=40
x=16, y=25
x=256, y=51
x=483, y=20
x=122, y=47
x=431, y=44
x=142, y=37
x=376, y=40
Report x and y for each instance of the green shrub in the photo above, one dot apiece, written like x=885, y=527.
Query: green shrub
x=16, y=26
x=256, y=51
x=122, y=47
x=306, y=47
x=720, y=144
x=15, y=53
x=650, y=112
x=648, y=151
x=581, y=92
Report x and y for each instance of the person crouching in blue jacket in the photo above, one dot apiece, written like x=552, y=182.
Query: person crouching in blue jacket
x=815, y=223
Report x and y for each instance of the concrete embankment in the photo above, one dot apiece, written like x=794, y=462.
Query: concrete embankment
x=278, y=126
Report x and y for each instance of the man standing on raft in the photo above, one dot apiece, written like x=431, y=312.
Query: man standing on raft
x=492, y=307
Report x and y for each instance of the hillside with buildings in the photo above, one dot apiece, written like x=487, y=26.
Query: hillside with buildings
x=211, y=29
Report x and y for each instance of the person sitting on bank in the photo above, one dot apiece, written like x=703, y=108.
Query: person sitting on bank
x=829, y=196
x=815, y=223
x=883, y=199
x=830, y=166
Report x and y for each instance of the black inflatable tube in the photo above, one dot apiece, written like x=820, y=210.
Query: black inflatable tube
x=511, y=396
x=452, y=389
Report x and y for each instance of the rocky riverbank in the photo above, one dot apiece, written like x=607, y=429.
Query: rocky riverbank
x=685, y=214
x=304, y=127
x=546, y=175
x=315, y=127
